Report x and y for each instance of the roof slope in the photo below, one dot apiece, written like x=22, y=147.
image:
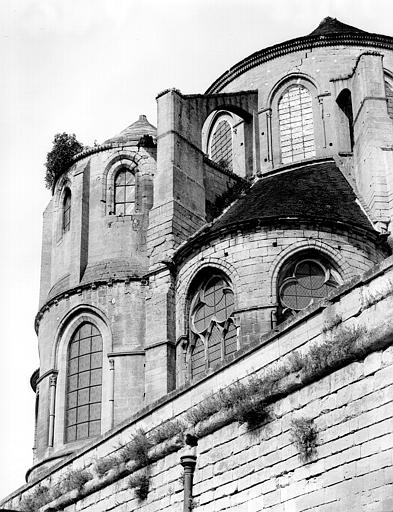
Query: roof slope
x=134, y=132
x=314, y=192
x=333, y=26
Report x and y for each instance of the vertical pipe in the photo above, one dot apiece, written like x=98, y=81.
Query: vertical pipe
x=52, y=407
x=188, y=462
x=112, y=391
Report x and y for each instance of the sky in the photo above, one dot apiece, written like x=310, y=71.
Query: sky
x=91, y=67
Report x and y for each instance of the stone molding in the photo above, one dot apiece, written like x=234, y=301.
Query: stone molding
x=295, y=45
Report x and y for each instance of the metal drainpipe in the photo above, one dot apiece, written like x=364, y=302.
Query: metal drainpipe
x=188, y=461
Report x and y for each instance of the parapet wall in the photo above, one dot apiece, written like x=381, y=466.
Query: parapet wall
x=340, y=383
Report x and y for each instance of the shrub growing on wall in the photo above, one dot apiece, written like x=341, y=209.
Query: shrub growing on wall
x=304, y=435
x=65, y=146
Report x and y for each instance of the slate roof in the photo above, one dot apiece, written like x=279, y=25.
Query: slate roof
x=313, y=192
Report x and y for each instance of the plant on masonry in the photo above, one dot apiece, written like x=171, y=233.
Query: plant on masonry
x=234, y=192
x=102, y=466
x=65, y=147
x=304, y=435
x=166, y=431
x=75, y=479
x=140, y=483
x=37, y=499
x=137, y=449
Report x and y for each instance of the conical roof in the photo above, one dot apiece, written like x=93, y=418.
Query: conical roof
x=134, y=132
x=332, y=26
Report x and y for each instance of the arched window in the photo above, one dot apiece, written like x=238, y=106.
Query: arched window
x=212, y=330
x=84, y=383
x=220, y=143
x=124, y=192
x=389, y=95
x=295, y=114
x=303, y=281
x=344, y=101
x=67, y=210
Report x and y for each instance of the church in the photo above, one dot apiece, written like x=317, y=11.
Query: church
x=214, y=324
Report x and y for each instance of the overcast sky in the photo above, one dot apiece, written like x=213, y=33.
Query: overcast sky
x=90, y=67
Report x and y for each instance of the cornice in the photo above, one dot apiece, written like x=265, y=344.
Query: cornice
x=298, y=44
x=78, y=289
x=205, y=236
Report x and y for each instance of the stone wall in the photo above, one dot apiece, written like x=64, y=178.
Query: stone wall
x=348, y=400
x=251, y=259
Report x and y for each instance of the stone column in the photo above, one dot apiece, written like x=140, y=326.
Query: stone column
x=52, y=406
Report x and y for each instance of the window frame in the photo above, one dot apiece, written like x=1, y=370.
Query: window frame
x=222, y=116
x=276, y=94
x=123, y=170
x=79, y=388
x=302, y=109
x=66, y=210
x=287, y=276
x=66, y=329
x=195, y=301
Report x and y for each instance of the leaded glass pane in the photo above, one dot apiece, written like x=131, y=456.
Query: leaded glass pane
x=214, y=346
x=198, y=358
x=83, y=404
x=82, y=430
x=230, y=339
x=84, y=379
x=71, y=417
x=94, y=428
x=71, y=433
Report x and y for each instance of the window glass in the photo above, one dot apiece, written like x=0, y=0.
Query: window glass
x=67, y=210
x=124, y=193
x=213, y=332
x=296, y=124
x=84, y=375
x=221, y=144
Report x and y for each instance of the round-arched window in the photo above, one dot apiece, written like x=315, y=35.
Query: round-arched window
x=124, y=193
x=84, y=384
x=304, y=281
x=212, y=329
x=295, y=114
x=67, y=210
x=220, y=144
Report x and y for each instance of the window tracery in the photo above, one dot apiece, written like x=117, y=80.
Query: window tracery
x=213, y=332
x=304, y=281
x=84, y=384
x=296, y=124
